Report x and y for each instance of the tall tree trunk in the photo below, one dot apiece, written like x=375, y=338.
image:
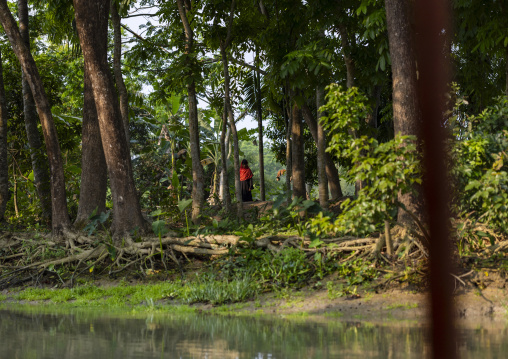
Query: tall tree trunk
x=198, y=188
x=232, y=125
x=332, y=173
x=321, y=151
x=60, y=217
x=298, y=168
x=229, y=110
x=117, y=68
x=4, y=165
x=92, y=194
x=39, y=161
x=406, y=112
x=259, y=111
x=372, y=117
x=92, y=25
x=348, y=59
x=224, y=191
x=289, y=148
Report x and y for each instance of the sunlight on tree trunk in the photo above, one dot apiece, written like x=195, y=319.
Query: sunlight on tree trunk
x=39, y=160
x=91, y=23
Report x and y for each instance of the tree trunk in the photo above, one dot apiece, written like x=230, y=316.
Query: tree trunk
x=39, y=160
x=198, y=190
x=60, y=217
x=348, y=59
x=259, y=110
x=298, y=169
x=231, y=120
x=4, y=165
x=93, y=188
x=372, y=117
x=92, y=25
x=332, y=173
x=224, y=191
x=117, y=68
x=321, y=152
x=289, y=149
x=406, y=112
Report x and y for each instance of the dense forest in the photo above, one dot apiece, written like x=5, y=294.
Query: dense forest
x=121, y=144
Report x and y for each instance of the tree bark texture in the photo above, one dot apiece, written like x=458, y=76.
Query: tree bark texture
x=117, y=68
x=4, y=165
x=298, y=171
x=321, y=152
x=224, y=182
x=198, y=187
x=94, y=178
x=60, y=217
x=39, y=161
x=332, y=173
x=259, y=111
x=406, y=112
x=91, y=22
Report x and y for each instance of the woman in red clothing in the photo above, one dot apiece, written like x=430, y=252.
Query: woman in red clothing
x=246, y=183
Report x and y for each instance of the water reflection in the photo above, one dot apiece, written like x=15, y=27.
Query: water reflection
x=88, y=335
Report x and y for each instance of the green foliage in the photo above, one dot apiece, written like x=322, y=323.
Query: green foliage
x=344, y=111
x=96, y=221
x=385, y=169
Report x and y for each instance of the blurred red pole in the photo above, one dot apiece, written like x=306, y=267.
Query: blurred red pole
x=432, y=31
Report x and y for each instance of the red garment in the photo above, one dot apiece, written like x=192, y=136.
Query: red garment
x=245, y=174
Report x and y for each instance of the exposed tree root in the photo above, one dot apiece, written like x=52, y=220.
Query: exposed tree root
x=24, y=257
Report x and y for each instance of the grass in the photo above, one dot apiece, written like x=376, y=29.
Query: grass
x=403, y=306
x=208, y=290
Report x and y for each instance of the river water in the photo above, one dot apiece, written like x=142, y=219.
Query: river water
x=77, y=334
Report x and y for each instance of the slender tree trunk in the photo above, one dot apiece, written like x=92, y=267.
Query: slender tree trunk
x=39, y=161
x=348, y=59
x=198, y=190
x=298, y=168
x=406, y=112
x=229, y=110
x=4, y=165
x=60, y=217
x=92, y=194
x=321, y=150
x=372, y=118
x=231, y=120
x=92, y=25
x=117, y=68
x=259, y=110
x=225, y=196
x=332, y=173
x=289, y=147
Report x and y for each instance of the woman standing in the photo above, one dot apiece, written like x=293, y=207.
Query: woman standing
x=246, y=181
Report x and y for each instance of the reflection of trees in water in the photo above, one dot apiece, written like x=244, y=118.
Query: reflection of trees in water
x=83, y=335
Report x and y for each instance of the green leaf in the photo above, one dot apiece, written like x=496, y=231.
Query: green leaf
x=316, y=243
x=159, y=227
x=156, y=213
x=183, y=204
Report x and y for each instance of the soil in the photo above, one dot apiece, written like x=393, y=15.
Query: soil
x=487, y=307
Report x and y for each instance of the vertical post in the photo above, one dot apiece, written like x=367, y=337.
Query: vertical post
x=432, y=28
